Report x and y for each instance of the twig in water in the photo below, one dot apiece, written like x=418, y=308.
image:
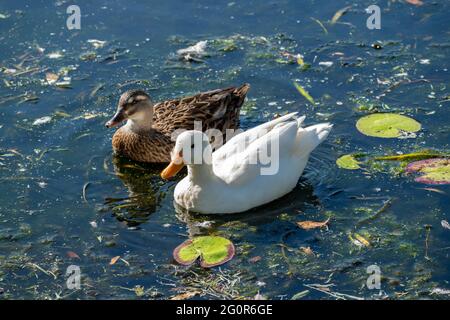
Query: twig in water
x=34, y=265
x=385, y=206
x=325, y=289
x=427, y=238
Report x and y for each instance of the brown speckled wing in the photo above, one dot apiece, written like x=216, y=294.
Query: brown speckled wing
x=217, y=109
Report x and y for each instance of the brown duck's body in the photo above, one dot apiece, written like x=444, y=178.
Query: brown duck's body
x=218, y=109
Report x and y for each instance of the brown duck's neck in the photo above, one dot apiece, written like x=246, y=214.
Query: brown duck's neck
x=141, y=122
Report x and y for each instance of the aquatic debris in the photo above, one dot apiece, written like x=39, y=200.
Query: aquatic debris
x=415, y=2
x=422, y=155
x=387, y=125
x=339, y=14
x=97, y=43
x=88, y=56
x=55, y=55
x=51, y=78
x=348, y=162
x=445, y=224
x=73, y=255
x=114, y=260
x=359, y=240
x=64, y=83
x=320, y=24
x=194, y=52
x=325, y=288
x=434, y=171
x=384, y=207
x=139, y=290
x=4, y=16
x=255, y=259
x=313, y=224
x=300, y=295
x=377, y=46
x=304, y=93
x=440, y=291
x=326, y=63
x=308, y=251
x=211, y=250
x=42, y=120
x=185, y=295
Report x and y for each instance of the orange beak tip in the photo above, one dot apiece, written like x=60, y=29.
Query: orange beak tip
x=171, y=170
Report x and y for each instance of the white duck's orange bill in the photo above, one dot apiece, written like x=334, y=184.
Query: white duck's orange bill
x=171, y=170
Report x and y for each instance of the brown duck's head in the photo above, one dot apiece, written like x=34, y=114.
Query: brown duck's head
x=133, y=104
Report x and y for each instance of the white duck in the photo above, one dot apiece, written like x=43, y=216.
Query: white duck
x=230, y=180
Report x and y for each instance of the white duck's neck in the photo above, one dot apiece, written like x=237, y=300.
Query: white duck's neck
x=200, y=173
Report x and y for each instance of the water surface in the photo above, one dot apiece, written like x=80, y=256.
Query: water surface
x=127, y=210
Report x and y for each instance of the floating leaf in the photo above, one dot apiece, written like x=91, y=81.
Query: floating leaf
x=387, y=125
x=114, y=260
x=435, y=171
x=312, y=224
x=211, y=250
x=445, y=224
x=304, y=93
x=348, y=161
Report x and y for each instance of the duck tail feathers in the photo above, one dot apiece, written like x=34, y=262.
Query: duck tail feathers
x=310, y=137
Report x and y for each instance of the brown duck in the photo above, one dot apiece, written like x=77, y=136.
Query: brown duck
x=146, y=137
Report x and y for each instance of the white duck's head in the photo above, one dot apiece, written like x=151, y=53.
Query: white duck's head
x=192, y=148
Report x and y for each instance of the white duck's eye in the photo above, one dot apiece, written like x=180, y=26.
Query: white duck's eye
x=192, y=146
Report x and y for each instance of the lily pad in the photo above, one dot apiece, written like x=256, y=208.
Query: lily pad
x=387, y=125
x=434, y=171
x=211, y=250
x=348, y=162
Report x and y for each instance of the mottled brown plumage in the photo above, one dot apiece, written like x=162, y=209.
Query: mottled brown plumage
x=147, y=135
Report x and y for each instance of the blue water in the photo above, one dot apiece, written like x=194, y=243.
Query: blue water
x=128, y=210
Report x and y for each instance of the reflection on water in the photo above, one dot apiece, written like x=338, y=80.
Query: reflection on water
x=142, y=182
x=299, y=200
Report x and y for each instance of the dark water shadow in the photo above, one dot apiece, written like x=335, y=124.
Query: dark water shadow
x=143, y=184
x=300, y=199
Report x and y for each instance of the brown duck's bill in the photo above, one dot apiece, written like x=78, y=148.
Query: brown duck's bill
x=172, y=169
x=118, y=118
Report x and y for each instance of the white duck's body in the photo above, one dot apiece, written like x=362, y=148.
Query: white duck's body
x=234, y=182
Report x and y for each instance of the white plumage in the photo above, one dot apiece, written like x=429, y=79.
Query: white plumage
x=232, y=179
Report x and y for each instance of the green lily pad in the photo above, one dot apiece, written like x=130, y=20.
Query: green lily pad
x=387, y=125
x=348, y=162
x=211, y=250
x=434, y=171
